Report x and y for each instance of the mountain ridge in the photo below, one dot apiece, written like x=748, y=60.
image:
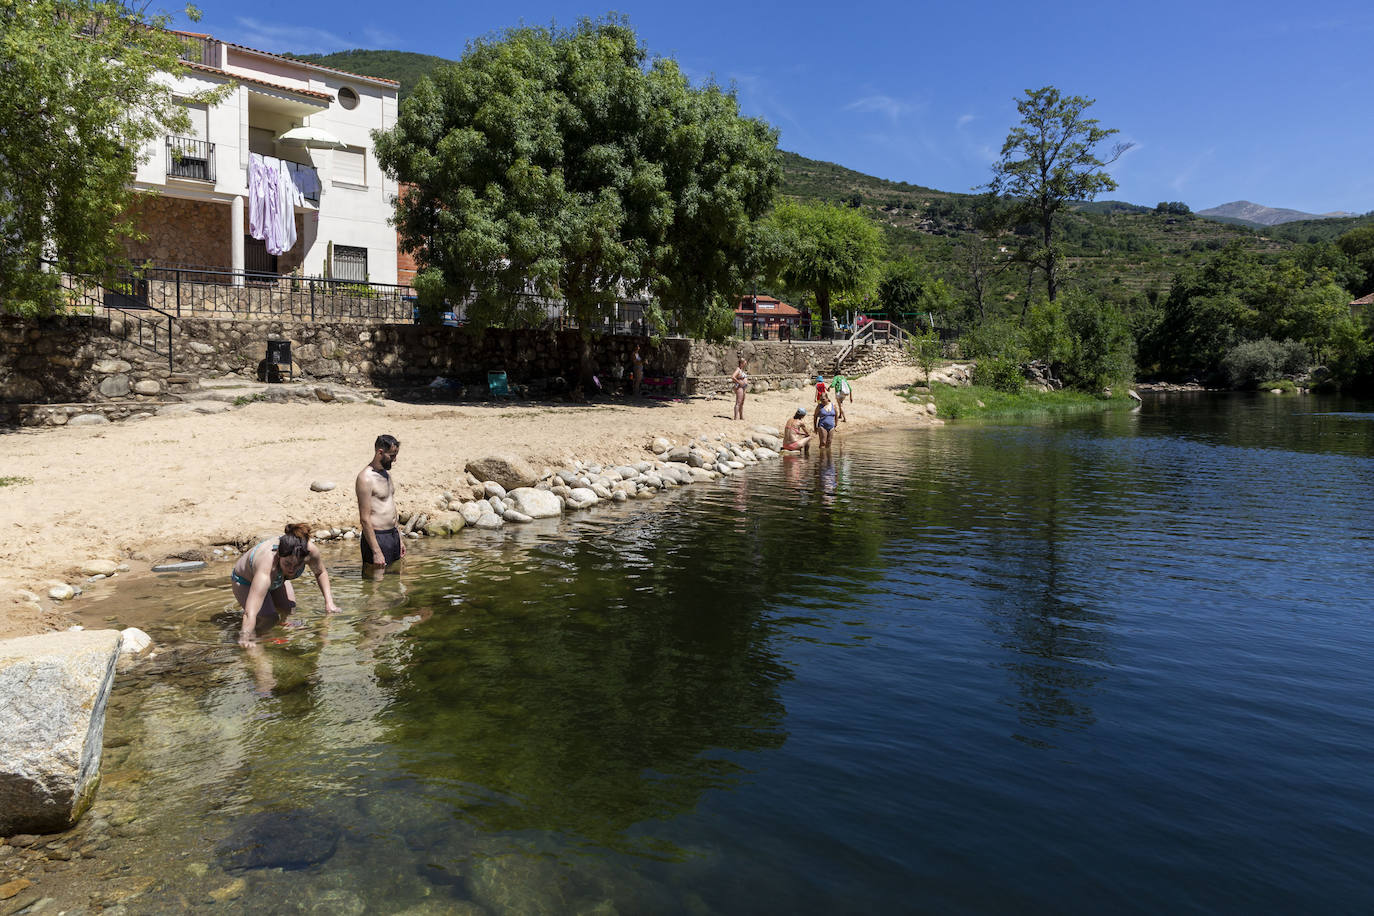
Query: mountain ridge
x=1253, y=214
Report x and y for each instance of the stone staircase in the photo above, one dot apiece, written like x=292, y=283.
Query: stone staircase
x=870, y=357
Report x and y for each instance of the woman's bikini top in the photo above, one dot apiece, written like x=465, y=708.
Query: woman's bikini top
x=278, y=580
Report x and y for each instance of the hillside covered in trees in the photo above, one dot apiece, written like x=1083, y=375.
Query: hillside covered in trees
x=1113, y=247
x=1188, y=290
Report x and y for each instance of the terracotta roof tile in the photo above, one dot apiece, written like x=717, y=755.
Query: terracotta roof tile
x=1364, y=300
x=306, y=63
x=778, y=307
x=252, y=79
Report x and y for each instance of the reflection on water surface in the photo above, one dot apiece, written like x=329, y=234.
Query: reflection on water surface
x=1111, y=662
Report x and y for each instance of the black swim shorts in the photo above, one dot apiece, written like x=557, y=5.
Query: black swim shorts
x=390, y=542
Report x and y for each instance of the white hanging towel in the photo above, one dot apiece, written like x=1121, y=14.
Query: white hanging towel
x=258, y=194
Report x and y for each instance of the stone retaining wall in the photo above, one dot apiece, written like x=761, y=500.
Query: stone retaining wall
x=86, y=360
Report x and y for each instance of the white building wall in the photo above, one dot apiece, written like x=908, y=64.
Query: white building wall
x=349, y=213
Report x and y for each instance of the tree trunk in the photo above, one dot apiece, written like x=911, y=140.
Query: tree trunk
x=1051, y=281
x=586, y=368
x=823, y=303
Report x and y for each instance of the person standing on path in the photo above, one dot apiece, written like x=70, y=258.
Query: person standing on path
x=740, y=378
x=381, y=542
x=636, y=371
x=842, y=393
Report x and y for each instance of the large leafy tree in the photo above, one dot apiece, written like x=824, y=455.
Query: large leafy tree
x=824, y=250
x=569, y=164
x=1049, y=160
x=84, y=90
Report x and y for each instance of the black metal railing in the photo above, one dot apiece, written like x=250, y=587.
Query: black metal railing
x=194, y=292
x=308, y=186
x=190, y=158
x=199, y=50
x=124, y=300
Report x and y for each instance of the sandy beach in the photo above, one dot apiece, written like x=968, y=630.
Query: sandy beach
x=138, y=492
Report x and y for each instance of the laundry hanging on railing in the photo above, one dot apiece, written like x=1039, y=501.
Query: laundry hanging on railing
x=275, y=187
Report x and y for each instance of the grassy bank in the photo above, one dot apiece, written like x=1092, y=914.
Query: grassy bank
x=960, y=402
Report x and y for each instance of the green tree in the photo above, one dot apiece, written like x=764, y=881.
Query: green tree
x=1100, y=350
x=81, y=98
x=1358, y=246
x=1048, y=161
x=569, y=164
x=899, y=291
x=923, y=348
x=825, y=250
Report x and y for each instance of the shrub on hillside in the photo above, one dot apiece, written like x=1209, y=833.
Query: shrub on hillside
x=1254, y=361
x=1100, y=350
x=999, y=373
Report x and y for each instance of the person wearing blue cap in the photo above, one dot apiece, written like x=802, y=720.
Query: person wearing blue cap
x=794, y=435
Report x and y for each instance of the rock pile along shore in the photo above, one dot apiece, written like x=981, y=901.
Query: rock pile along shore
x=504, y=489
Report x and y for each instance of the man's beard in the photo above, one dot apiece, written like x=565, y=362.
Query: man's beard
x=386, y=463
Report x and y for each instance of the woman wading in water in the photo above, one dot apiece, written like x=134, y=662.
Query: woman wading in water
x=741, y=381
x=262, y=579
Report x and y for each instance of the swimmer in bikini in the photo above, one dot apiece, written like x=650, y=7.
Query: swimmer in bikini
x=262, y=579
x=794, y=436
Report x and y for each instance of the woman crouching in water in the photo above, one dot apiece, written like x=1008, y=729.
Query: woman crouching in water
x=262, y=579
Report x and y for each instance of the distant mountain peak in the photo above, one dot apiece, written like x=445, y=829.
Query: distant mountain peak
x=1244, y=211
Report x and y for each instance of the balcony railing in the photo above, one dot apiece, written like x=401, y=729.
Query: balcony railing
x=188, y=158
x=306, y=178
x=199, y=50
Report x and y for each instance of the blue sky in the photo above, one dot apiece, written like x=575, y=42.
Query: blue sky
x=1269, y=102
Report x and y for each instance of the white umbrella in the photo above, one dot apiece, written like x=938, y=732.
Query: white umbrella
x=313, y=138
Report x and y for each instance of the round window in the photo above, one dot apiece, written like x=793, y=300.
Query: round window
x=348, y=98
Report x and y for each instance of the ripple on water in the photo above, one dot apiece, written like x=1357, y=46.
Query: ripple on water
x=1108, y=663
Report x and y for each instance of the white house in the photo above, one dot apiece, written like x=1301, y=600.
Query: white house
x=196, y=215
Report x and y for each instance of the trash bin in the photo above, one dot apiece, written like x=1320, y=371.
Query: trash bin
x=278, y=360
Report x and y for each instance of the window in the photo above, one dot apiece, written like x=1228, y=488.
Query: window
x=348, y=98
x=350, y=166
x=350, y=264
x=200, y=122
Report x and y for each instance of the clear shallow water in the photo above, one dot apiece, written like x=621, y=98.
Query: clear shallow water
x=1118, y=661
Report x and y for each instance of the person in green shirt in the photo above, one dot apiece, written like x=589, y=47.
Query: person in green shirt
x=842, y=393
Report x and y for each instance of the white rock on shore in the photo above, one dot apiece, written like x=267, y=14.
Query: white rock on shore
x=536, y=503
x=53, y=690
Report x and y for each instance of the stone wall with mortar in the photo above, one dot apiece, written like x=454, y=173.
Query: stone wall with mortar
x=194, y=233
x=88, y=360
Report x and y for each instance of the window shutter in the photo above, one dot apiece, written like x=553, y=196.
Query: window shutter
x=199, y=129
x=350, y=166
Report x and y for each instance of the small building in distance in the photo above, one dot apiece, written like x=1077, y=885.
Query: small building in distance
x=1361, y=305
x=773, y=318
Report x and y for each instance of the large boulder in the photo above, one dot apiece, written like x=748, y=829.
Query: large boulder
x=507, y=470
x=536, y=503
x=53, y=690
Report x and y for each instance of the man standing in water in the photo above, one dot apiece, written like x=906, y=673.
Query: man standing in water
x=381, y=541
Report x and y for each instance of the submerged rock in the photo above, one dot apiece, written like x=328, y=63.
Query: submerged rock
x=279, y=839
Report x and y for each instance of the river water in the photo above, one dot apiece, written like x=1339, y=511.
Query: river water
x=1116, y=662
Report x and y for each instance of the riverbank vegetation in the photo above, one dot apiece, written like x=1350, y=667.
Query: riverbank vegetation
x=962, y=402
